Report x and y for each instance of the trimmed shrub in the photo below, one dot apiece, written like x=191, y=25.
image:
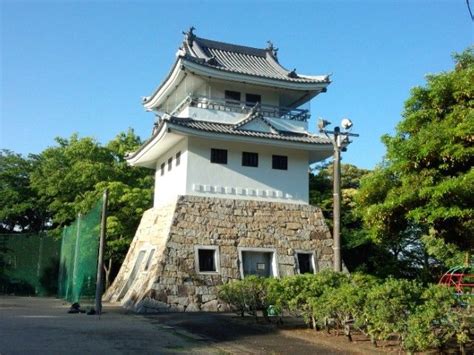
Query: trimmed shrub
x=250, y=295
x=344, y=305
x=422, y=318
x=388, y=307
x=442, y=317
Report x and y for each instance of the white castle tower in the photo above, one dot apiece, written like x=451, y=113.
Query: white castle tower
x=231, y=150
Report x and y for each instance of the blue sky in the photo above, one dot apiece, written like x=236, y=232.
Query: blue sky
x=83, y=66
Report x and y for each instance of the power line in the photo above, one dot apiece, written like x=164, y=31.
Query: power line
x=469, y=8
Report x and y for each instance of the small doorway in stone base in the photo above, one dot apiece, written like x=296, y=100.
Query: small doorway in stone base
x=260, y=262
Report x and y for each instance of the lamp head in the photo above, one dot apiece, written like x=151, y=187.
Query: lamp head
x=322, y=123
x=346, y=123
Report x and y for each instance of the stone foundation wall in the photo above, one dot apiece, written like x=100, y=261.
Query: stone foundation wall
x=172, y=281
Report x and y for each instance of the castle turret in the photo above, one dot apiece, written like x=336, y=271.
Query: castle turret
x=232, y=122
x=231, y=150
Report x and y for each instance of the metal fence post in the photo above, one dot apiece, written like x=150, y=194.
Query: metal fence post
x=100, y=261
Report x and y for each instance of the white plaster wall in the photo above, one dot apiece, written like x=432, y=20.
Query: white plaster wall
x=269, y=96
x=241, y=182
x=172, y=183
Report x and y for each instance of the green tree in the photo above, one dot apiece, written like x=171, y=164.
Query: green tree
x=20, y=208
x=70, y=177
x=419, y=201
x=355, y=241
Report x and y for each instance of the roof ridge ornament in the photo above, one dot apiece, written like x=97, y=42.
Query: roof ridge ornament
x=292, y=74
x=272, y=49
x=189, y=36
x=212, y=60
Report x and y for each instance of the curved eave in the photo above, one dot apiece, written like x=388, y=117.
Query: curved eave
x=147, y=155
x=170, y=134
x=179, y=68
x=317, y=85
x=160, y=94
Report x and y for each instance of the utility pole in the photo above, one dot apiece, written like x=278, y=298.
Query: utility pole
x=339, y=140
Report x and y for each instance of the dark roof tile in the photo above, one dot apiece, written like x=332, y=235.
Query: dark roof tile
x=242, y=60
x=226, y=128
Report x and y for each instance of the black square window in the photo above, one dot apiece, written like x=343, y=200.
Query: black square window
x=280, y=162
x=305, y=264
x=178, y=158
x=162, y=169
x=249, y=159
x=170, y=163
x=218, y=156
x=232, y=97
x=252, y=99
x=207, y=260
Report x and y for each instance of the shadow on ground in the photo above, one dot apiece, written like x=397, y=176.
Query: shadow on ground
x=237, y=334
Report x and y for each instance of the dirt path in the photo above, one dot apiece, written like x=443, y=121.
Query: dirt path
x=43, y=326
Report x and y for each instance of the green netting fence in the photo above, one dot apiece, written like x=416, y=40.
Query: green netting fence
x=29, y=264
x=78, y=261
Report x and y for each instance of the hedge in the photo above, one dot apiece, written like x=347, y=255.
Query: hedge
x=420, y=316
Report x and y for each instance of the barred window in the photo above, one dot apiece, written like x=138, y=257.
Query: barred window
x=280, y=162
x=252, y=99
x=178, y=158
x=218, y=156
x=232, y=97
x=249, y=159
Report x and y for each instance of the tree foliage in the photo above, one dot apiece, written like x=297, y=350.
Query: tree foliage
x=422, y=195
x=355, y=241
x=20, y=208
x=48, y=190
x=420, y=317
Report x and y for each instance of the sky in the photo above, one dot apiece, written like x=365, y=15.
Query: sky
x=83, y=66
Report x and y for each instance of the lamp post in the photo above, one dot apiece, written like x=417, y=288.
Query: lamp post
x=339, y=140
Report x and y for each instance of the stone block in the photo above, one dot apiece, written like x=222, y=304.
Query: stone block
x=207, y=298
x=211, y=306
x=192, y=307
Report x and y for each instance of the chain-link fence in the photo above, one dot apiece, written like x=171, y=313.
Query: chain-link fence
x=29, y=264
x=78, y=261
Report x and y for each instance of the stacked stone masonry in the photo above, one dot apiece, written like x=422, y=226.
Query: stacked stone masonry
x=169, y=280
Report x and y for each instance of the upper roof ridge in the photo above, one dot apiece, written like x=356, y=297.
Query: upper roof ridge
x=230, y=47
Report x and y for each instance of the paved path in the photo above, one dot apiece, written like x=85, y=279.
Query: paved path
x=43, y=326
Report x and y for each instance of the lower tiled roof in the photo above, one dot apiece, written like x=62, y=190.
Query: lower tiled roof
x=226, y=128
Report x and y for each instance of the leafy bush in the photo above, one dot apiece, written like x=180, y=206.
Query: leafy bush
x=442, y=317
x=389, y=305
x=432, y=324
x=250, y=295
x=421, y=317
x=344, y=305
x=294, y=292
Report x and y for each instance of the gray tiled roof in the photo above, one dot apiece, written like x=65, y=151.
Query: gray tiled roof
x=226, y=128
x=242, y=60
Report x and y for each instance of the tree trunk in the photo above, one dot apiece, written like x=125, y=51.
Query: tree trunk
x=373, y=341
x=347, y=328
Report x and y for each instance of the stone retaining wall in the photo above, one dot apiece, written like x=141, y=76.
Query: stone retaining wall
x=172, y=282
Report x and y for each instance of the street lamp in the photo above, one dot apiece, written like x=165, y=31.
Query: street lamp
x=339, y=140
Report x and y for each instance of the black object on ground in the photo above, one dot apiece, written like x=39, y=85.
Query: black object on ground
x=76, y=308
